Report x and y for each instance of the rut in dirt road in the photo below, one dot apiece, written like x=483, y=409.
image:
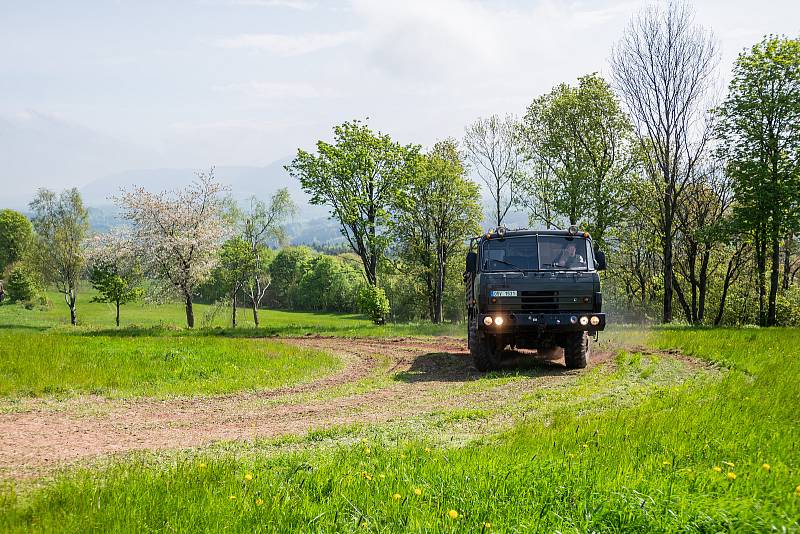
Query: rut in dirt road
x=417, y=380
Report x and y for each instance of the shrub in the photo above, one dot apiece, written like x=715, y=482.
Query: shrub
x=22, y=284
x=373, y=303
x=787, y=307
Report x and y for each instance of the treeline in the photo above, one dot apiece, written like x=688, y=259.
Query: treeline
x=696, y=202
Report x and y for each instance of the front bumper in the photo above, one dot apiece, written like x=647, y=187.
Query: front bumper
x=521, y=322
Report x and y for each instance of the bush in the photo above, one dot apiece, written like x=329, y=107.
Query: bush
x=373, y=303
x=331, y=284
x=286, y=272
x=22, y=284
x=787, y=307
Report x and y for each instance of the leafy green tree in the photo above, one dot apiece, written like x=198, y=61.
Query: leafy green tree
x=235, y=265
x=373, y=303
x=330, y=284
x=61, y=223
x=16, y=234
x=286, y=271
x=22, y=284
x=759, y=130
x=357, y=177
x=261, y=223
x=581, y=140
x=114, y=270
x=438, y=211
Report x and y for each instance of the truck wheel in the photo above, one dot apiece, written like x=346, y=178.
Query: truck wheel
x=576, y=350
x=483, y=351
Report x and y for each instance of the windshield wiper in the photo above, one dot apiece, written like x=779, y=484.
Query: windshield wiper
x=517, y=267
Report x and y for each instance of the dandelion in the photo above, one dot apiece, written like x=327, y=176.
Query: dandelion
x=731, y=476
x=382, y=476
x=397, y=496
x=417, y=492
x=487, y=526
x=367, y=451
x=232, y=497
x=248, y=477
x=717, y=468
x=402, y=456
x=453, y=514
x=259, y=501
x=797, y=490
x=366, y=475
x=427, y=449
x=666, y=462
x=201, y=466
x=766, y=467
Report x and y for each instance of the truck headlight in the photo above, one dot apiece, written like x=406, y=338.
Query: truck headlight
x=584, y=320
x=487, y=320
x=498, y=321
x=595, y=320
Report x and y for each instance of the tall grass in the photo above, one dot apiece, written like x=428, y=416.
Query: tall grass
x=57, y=363
x=642, y=469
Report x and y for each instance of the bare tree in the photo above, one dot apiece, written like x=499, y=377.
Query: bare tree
x=177, y=234
x=663, y=67
x=493, y=149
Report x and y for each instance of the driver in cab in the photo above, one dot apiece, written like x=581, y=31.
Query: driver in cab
x=569, y=259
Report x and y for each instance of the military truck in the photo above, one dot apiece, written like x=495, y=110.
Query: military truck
x=533, y=289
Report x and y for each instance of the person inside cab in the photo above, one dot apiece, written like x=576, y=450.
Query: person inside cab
x=569, y=259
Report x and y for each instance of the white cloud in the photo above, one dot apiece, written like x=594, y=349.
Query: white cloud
x=274, y=90
x=289, y=45
x=301, y=5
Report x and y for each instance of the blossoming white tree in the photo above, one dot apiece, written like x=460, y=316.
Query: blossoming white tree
x=114, y=269
x=176, y=234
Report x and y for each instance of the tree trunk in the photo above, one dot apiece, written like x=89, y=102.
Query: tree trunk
x=774, y=280
x=701, y=312
x=787, y=251
x=761, y=268
x=73, y=319
x=189, y=312
x=233, y=310
x=725, y=285
x=117, y=318
x=666, y=316
x=255, y=312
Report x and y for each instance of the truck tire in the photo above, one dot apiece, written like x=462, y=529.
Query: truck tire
x=483, y=350
x=576, y=350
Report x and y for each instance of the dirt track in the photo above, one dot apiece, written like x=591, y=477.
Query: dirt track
x=420, y=376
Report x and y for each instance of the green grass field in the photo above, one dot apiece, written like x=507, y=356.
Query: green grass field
x=718, y=454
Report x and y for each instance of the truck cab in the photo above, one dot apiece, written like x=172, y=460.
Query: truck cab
x=533, y=289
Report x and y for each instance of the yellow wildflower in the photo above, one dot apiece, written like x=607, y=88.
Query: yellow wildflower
x=427, y=449
x=417, y=492
x=731, y=476
x=453, y=514
x=382, y=476
x=259, y=501
x=666, y=462
x=797, y=490
x=487, y=525
x=232, y=497
x=717, y=468
x=201, y=466
x=397, y=496
x=248, y=476
x=366, y=475
x=765, y=467
x=367, y=451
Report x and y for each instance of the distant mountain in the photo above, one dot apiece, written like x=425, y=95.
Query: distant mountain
x=243, y=183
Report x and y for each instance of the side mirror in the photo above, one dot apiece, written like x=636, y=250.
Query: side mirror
x=472, y=262
x=599, y=260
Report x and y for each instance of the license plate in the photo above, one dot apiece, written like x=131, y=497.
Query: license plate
x=503, y=294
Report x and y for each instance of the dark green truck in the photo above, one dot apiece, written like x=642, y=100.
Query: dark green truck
x=533, y=289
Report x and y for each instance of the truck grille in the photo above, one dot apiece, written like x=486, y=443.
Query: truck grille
x=542, y=302
x=539, y=301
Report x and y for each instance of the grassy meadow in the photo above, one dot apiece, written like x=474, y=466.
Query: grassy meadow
x=719, y=453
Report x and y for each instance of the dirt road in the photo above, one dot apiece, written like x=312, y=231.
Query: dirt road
x=382, y=380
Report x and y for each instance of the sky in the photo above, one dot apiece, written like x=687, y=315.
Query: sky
x=89, y=89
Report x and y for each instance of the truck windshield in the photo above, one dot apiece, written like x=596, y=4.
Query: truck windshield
x=562, y=253
x=531, y=253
